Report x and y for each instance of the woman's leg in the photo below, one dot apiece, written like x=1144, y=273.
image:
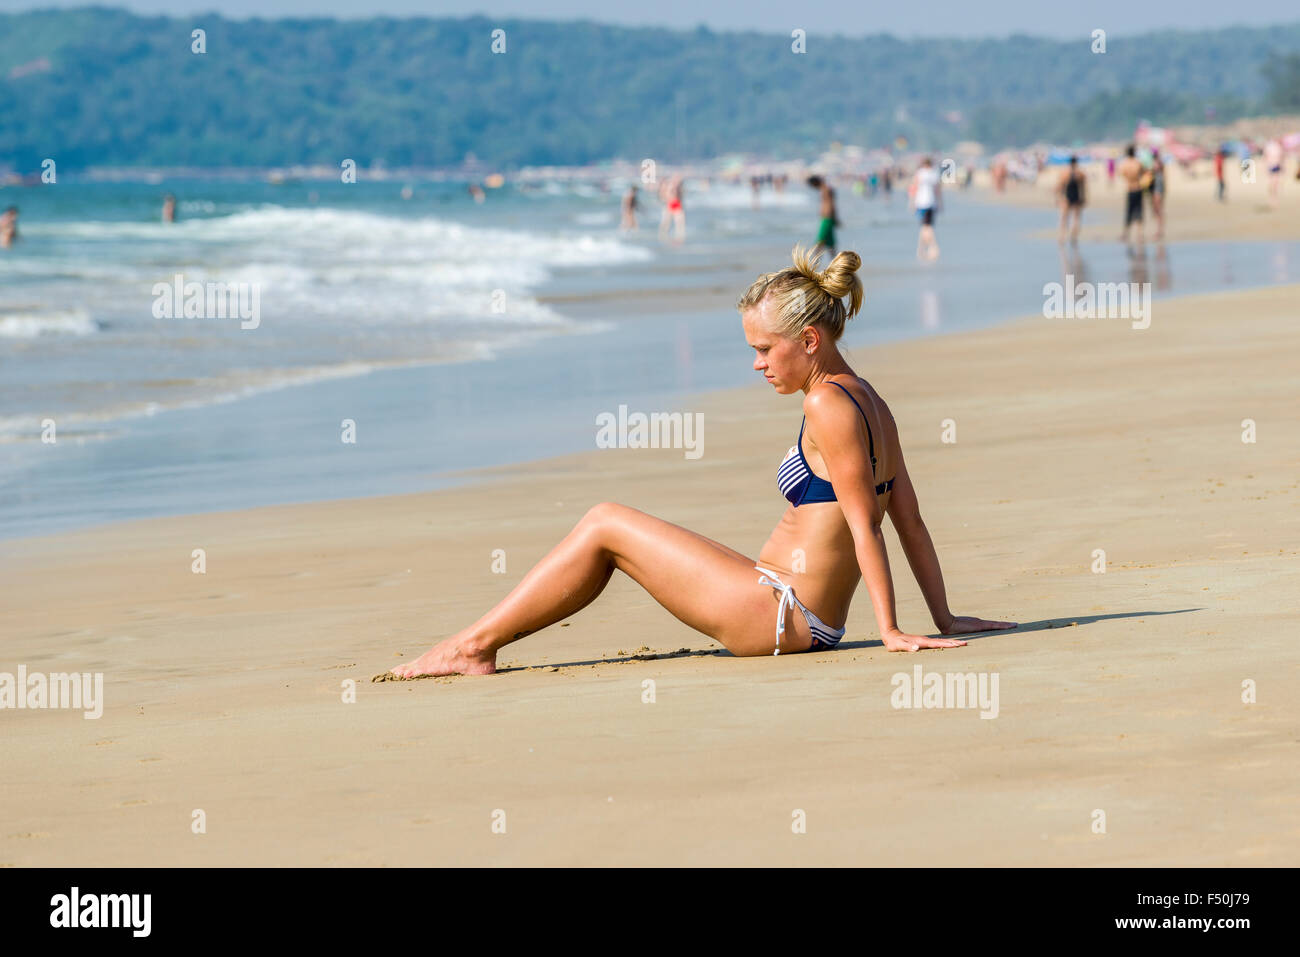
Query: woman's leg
x=703, y=583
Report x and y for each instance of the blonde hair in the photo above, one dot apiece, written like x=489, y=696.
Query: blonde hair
x=803, y=295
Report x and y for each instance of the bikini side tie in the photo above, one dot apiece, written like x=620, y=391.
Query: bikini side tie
x=787, y=601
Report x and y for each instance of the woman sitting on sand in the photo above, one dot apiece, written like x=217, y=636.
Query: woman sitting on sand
x=828, y=538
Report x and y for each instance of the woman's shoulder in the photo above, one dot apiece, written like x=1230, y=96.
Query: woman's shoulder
x=833, y=391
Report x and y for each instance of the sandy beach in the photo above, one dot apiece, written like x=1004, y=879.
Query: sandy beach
x=1192, y=210
x=1122, y=692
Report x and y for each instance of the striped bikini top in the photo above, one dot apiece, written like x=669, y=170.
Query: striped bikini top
x=798, y=483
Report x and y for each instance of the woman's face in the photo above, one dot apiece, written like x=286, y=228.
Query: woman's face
x=783, y=362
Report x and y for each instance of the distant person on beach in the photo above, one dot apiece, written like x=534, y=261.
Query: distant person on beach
x=1273, y=163
x=925, y=191
x=169, y=209
x=1071, y=189
x=674, y=213
x=887, y=183
x=630, y=206
x=1157, y=188
x=1219, y=157
x=8, y=227
x=754, y=184
x=1131, y=172
x=829, y=218
x=793, y=320
x=1110, y=171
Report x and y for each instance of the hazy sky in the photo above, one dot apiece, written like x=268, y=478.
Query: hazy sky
x=964, y=18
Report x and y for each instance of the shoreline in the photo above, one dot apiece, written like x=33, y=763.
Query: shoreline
x=683, y=331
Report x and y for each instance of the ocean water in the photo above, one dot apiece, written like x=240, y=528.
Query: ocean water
x=453, y=334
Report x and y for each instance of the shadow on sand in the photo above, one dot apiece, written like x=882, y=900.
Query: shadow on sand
x=1041, y=625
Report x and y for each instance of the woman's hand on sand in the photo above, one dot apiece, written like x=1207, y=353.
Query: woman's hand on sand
x=900, y=641
x=966, y=625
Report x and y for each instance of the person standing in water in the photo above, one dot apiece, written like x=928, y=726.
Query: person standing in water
x=8, y=227
x=1071, y=188
x=671, y=195
x=169, y=209
x=1131, y=172
x=826, y=230
x=1157, y=188
x=629, y=210
x=925, y=190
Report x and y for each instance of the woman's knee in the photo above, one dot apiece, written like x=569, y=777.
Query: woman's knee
x=604, y=513
x=599, y=514
x=601, y=520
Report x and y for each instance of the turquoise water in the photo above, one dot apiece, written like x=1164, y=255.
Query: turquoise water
x=444, y=329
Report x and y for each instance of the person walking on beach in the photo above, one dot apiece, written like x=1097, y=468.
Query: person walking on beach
x=1157, y=188
x=829, y=217
x=1219, y=156
x=629, y=210
x=674, y=213
x=1273, y=162
x=1071, y=189
x=8, y=227
x=1131, y=172
x=845, y=473
x=925, y=192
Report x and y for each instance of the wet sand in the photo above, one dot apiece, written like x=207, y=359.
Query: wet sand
x=1121, y=692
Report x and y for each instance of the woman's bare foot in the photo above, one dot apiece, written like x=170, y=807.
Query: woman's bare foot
x=451, y=656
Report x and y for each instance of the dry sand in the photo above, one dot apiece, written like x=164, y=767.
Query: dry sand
x=1121, y=692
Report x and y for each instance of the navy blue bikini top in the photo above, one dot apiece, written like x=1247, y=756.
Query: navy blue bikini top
x=798, y=483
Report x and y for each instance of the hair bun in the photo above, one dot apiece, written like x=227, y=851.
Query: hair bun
x=840, y=279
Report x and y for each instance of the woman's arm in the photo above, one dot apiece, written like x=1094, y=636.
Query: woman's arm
x=905, y=513
x=833, y=422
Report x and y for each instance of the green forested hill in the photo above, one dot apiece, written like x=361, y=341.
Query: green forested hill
x=97, y=86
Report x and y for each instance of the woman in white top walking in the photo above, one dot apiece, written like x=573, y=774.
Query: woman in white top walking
x=925, y=192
